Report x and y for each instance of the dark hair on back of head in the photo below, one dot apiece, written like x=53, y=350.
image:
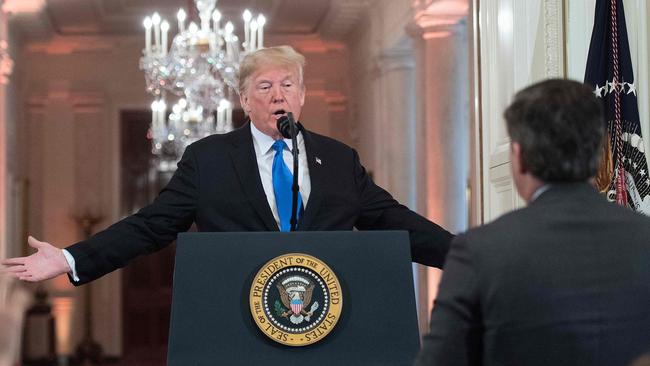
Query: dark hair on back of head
x=559, y=125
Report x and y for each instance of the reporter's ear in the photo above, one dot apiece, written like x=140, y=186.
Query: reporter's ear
x=516, y=159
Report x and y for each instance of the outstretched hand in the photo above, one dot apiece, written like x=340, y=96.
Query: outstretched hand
x=48, y=262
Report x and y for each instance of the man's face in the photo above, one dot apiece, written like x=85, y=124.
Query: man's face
x=272, y=92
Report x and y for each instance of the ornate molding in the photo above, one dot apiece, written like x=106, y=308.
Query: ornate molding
x=90, y=102
x=79, y=102
x=436, y=19
x=6, y=63
x=64, y=45
x=23, y=6
x=553, y=39
x=336, y=101
x=395, y=59
x=311, y=43
x=342, y=17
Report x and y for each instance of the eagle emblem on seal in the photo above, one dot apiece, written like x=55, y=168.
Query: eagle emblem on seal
x=295, y=294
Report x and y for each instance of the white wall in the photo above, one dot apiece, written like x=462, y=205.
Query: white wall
x=520, y=42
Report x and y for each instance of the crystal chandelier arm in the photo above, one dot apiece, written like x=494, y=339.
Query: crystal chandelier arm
x=181, y=16
x=147, y=32
x=261, y=21
x=216, y=18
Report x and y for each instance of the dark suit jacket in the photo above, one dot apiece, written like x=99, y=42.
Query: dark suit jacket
x=217, y=185
x=565, y=281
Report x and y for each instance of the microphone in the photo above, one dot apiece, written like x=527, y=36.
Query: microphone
x=284, y=127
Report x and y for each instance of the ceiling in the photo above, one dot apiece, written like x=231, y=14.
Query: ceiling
x=40, y=20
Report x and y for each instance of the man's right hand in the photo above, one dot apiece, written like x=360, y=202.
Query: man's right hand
x=48, y=262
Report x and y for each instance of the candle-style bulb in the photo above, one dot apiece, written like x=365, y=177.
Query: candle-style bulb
x=155, y=18
x=147, y=36
x=216, y=15
x=164, y=27
x=247, y=15
x=193, y=27
x=181, y=15
x=261, y=20
x=229, y=28
x=253, y=38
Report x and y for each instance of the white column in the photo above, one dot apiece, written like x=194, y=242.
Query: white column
x=3, y=151
x=92, y=152
x=52, y=191
x=397, y=159
x=442, y=135
x=337, y=108
x=396, y=126
x=3, y=175
x=68, y=174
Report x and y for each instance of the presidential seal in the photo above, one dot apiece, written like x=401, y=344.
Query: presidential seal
x=296, y=299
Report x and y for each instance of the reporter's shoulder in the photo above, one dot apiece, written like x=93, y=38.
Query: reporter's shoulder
x=624, y=212
x=494, y=231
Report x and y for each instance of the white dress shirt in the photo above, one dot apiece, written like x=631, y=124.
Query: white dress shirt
x=539, y=192
x=264, y=153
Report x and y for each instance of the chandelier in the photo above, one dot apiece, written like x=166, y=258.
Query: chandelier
x=198, y=70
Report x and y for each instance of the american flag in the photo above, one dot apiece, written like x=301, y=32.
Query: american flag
x=609, y=71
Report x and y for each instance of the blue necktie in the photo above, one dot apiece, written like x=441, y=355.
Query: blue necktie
x=282, y=182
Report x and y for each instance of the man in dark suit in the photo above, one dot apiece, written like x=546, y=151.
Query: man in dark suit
x=564, y=281
x=241, y=181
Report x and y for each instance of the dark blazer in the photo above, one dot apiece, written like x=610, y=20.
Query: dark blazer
x=565, y=281
x=217, y=185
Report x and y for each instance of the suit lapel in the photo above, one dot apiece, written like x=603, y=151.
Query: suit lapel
x=316, y=176
x=245, y=162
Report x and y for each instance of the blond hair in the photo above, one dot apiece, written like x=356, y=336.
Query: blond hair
x=280, y=56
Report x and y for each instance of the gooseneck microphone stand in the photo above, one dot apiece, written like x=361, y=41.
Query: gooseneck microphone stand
x=289, y=129
x=294, y=188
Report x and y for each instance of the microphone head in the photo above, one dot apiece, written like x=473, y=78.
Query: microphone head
x=284, y=127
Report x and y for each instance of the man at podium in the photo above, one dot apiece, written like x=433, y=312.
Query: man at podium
x=241, y=181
